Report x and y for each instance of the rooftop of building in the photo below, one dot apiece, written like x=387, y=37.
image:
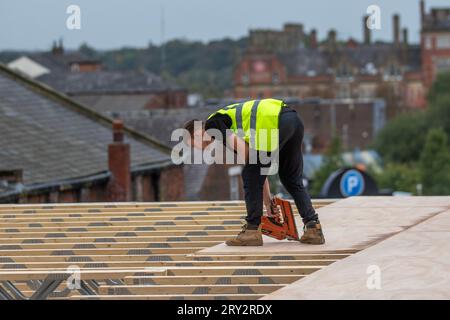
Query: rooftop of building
x=55, y=139
x=107, y=81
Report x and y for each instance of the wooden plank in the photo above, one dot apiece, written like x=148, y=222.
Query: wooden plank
x=152, y=223
x=204, y=280
x=108, y=244
x=291, y=270
x=120, y=213
x=121, y=228
x=180, y=218
x=86, y=274
x=171, y=297
x=173, y=257
x=188, y=289
x=95, y=251
x=60, y=239
x=142, y=264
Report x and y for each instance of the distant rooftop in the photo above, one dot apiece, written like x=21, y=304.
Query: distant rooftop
x=106, y=82
x=52, y=138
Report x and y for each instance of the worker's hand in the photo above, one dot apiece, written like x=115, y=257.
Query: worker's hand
x=272, y=210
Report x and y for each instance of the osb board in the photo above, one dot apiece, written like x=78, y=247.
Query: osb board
x=352, y=224
x=414, y=264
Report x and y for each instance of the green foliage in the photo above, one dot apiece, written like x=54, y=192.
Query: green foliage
x=332, y=161
x=435, y=163
x=440, y=87
x=438, y=115
x=415, y=146
x=402, y=139
x=204, y=68
x=399, y=177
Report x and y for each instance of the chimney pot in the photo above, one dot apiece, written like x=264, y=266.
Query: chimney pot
x=313, y=38
x=405, y=36
x=422, y=11
x=366, y=31
x=396, y=22
x=118, y=131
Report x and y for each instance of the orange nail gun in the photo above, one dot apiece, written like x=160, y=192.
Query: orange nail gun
x=282, y=225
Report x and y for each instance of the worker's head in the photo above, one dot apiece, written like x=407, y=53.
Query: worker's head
x=196, y=134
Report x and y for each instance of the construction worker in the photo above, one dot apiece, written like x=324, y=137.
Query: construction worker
x=240, y=126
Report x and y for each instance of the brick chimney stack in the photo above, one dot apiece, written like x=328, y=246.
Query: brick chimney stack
x=366, y=31
x=396, y=23
x=422, y=12
x=119, y=187
x=405, y=37
x=313, y=39
x=332, y=35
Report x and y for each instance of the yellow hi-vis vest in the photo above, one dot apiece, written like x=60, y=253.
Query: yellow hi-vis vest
x=256, y=122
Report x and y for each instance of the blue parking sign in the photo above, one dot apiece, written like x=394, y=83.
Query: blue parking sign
x=352, y=183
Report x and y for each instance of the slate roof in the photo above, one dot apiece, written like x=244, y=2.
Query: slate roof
x=52, y=138
x=106, y=82
x=437, y=20
x=114, y=102
x=59, y=62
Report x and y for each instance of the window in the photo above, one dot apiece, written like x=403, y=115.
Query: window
x=443, y=42
x=245, y=78
x=275, y=78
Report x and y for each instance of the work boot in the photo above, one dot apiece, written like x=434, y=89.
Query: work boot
x=312, y=233
x=247, y=237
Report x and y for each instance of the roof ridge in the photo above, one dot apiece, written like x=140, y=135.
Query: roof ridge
x=81, y=108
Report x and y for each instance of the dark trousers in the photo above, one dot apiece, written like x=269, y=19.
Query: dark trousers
x=290, y=172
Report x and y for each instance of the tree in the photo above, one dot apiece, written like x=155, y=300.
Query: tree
x=399, y=177
x=439, y=113
x=402, y=139
x=440, y=87
x=435, y=163
x=332, y=161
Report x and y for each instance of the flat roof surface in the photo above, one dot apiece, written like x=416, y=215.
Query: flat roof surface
x=414, y=264
x=355, y=223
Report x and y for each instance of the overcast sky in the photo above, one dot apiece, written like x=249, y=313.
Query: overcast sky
x=105, y=24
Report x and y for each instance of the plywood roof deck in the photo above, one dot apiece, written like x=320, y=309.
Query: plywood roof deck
x=414, y=264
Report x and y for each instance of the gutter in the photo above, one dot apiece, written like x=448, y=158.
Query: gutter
x=61, y=185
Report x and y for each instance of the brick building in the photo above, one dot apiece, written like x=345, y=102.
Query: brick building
x=54, y=149
x=435, y=42
x=355, y=121
x=295, y=64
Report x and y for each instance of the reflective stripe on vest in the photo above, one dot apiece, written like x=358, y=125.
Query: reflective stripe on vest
x=256, y=122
